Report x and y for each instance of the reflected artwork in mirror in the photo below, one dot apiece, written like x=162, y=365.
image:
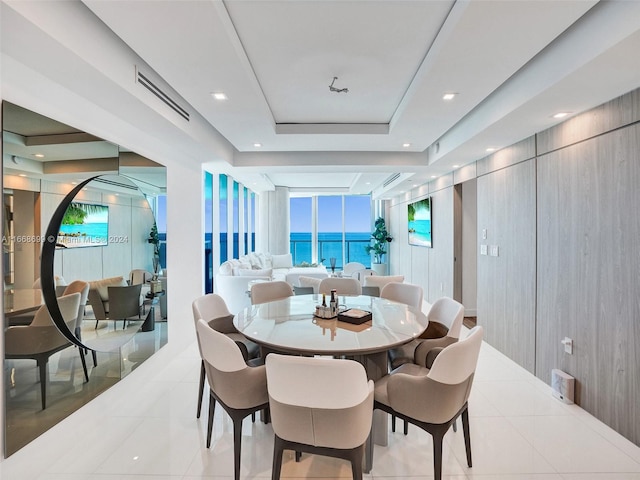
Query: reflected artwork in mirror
x=78, y=359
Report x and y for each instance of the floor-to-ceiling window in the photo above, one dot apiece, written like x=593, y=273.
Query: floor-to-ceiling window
x=222, y=179
x=208, y=232
x=301, y=226
x=335, y=226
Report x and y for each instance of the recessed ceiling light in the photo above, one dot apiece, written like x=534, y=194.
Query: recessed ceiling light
x=21, y=175
x=449, y=96
x=38, y=155
x=406, y=145
x=456, y=166
x=434, y=176
x=415, y=185
x=74, y=183
x=219, y=96
x=257, y=145
x=367, y=183
x=491, y=149
x=561, y=114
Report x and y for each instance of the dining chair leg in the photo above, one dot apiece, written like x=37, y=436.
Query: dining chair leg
x=356, y=457
x=393, y=423
x=212, y=410
x=237, y=439
x=95, y=358
x=277, y=458
x=467, y=435
x=406, y=427
x=455, y=425
x=298, y=456
x=201, y=388
x=438, y=437
x=42, y=365
x=84, y=365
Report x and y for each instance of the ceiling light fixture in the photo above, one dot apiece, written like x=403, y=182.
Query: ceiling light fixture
x=219, y=96
x=434, y=176
x=560, y=114
x=491, y=149
x=449, y=96
x=38, y=155
x=456, y=166
x=257, y=145
x=406, y=145
x=21, y=175
x=337, y=90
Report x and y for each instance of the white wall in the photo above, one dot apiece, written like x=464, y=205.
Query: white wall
x=469, y=247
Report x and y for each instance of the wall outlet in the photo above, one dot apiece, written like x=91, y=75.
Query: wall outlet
x=484, y=233
x=568, y=345
x=483, y=250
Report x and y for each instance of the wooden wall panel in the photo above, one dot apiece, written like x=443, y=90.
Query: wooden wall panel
x=511, y=155
x=506, y=283
x=588, y=280
x=617, y=113
x=441, y=255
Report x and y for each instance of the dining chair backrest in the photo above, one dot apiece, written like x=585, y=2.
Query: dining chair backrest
x=213, y=310
x=344, y=286
x=81, y=287
x=124, y=301
x=363, y=272
x=68, y=305
x=351, y=267
x=270, y=291
x=455, y=363
x=381, y=280
x=449, y=313
x=305, y=407
x=406, y=293
x=218, y=349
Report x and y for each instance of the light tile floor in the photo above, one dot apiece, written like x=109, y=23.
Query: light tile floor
x=144, y=428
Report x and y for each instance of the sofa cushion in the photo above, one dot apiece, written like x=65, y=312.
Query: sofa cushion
x=282, y=261
x=101, y=286
x=252, y=272
x=253, y=259
x=241, y=266
x=226, y=268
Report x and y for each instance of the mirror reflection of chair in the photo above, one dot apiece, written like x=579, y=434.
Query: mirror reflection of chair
x=139, y=276
x=352, y=267
x=124, y=303
x=302, y=290
x=41, y=339
x=406, y=293
x=308, y=415
x=432, y=397
x=344, y=286
x=213, y=310
x=81, y=287
x=239, y=388
x=270, y=291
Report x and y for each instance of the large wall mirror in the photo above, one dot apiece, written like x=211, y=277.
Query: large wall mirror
x=104, y=275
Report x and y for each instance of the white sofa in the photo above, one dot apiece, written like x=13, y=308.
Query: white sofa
x=233, y=277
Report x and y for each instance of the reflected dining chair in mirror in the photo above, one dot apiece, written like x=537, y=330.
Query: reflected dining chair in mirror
x=308, y=414
x=381, y=280
x=241, y=390
x=363, y=272
x=433, y=396
x=41, y=339
x=81, y=287
x=213, y=310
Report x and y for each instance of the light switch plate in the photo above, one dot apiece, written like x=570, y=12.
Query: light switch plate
x=493, y=251
x=483, y=249
x=484, y=233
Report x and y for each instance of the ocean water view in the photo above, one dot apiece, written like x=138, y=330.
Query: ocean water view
x=420, y=233
x=330, y=245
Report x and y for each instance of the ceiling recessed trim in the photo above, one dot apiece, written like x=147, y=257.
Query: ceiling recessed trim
x=332, y=128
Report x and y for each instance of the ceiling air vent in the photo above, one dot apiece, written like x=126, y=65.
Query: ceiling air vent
x=144, y=80
x=391, y=179
x=115, y=183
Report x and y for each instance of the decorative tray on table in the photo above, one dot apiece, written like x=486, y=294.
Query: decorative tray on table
x=355, y=316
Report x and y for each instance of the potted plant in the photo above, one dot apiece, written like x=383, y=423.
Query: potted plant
x=154, y=239
x=378, y=247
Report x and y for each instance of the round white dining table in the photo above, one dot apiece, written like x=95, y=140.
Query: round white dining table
x=289, y=326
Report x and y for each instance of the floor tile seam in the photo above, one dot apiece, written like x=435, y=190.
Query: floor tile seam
x=588, y=424
x=508, y=419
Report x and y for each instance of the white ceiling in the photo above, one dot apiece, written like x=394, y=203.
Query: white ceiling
x=512, y=64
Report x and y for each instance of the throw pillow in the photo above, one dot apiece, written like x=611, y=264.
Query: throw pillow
x=249, y=272
x=282, y=261
x=226, y=268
